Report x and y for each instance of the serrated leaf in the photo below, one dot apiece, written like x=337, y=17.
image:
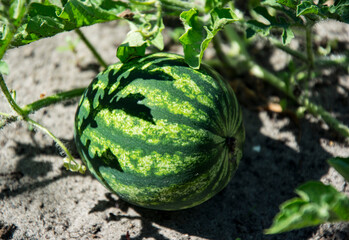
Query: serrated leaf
x=306, y=7
x=341, y=165
x=193, y=37
x=289, y=3
x=17, y=10
x=47, y=19
x=287, y=33
x=340, y=10
x=318, y=203
x=4, y=69
x=264, y=12
x=220, y=17
x=198, y=34
x=126, y=52
x=145, y=31
x=211, y=4
x=255, y=26
x=287, y=36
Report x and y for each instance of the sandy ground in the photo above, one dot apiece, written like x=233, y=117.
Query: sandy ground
x=39, y=199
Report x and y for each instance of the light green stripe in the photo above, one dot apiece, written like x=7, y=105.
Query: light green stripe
x=136, y=160
x=154, y=195
x=224, y=164
x=164, y=132
x=161, y=56
x=188, y=87
x=160, y=99
x=84, y=111
x=119, y=78
x=100, y=85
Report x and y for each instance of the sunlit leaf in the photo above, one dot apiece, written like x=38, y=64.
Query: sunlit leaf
x=4, y=69
x=287, y=35
x=318, y=203
x=46, y=19
x=144, y=31
x=198, y=33
x=125, y=52
x=307, y=7
x=341, y=165
x=340, y=10
x=255, y=26
x=17, y=10
x=289, y=3
x=211, y=4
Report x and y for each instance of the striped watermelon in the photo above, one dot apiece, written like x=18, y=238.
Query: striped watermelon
x=158, y=133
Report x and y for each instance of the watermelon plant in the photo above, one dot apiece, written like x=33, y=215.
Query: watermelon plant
x=317, y=203
x=177, y=96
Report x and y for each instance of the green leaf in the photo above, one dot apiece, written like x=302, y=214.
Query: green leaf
x=340, y=11
x=289, y=3
x=17, y=10
x=307, y=7
x=198, y=33
x=255, y=26
x=126, y=52
x=211, y=4
x=46, y=19
x=318, y=203
x=145, y=30
x=341, y=165
x=287, y=35
x=4, y=69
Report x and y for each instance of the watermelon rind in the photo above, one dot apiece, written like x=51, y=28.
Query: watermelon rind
x=158, y=133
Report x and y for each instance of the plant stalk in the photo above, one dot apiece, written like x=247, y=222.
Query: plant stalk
x=9, y=98
x=91, y=48
x=332, y=60
x=6, y=44
x=183, y=5
x=289, y=50
x=262, y=73
x=310, y=56
x=32, y=107
x=312, y=108
x=72, y=164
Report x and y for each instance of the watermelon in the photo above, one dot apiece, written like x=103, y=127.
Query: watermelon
x=158, y=133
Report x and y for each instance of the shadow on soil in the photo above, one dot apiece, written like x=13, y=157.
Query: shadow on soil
x=28, y=166
x=243, y=210
x=247, y=206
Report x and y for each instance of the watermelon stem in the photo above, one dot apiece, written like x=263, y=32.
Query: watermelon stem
x=49, y=100
x=10, y=98
x=69, y=161
x=91, y=48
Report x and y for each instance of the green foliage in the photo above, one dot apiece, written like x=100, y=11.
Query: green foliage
x=286, y=15
x=48, y=18
x=274, y=22
x=145, y=30
x=318, y=203
x=198, y=33
x=341, y=165
x=25, y=21
x=211, y=4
